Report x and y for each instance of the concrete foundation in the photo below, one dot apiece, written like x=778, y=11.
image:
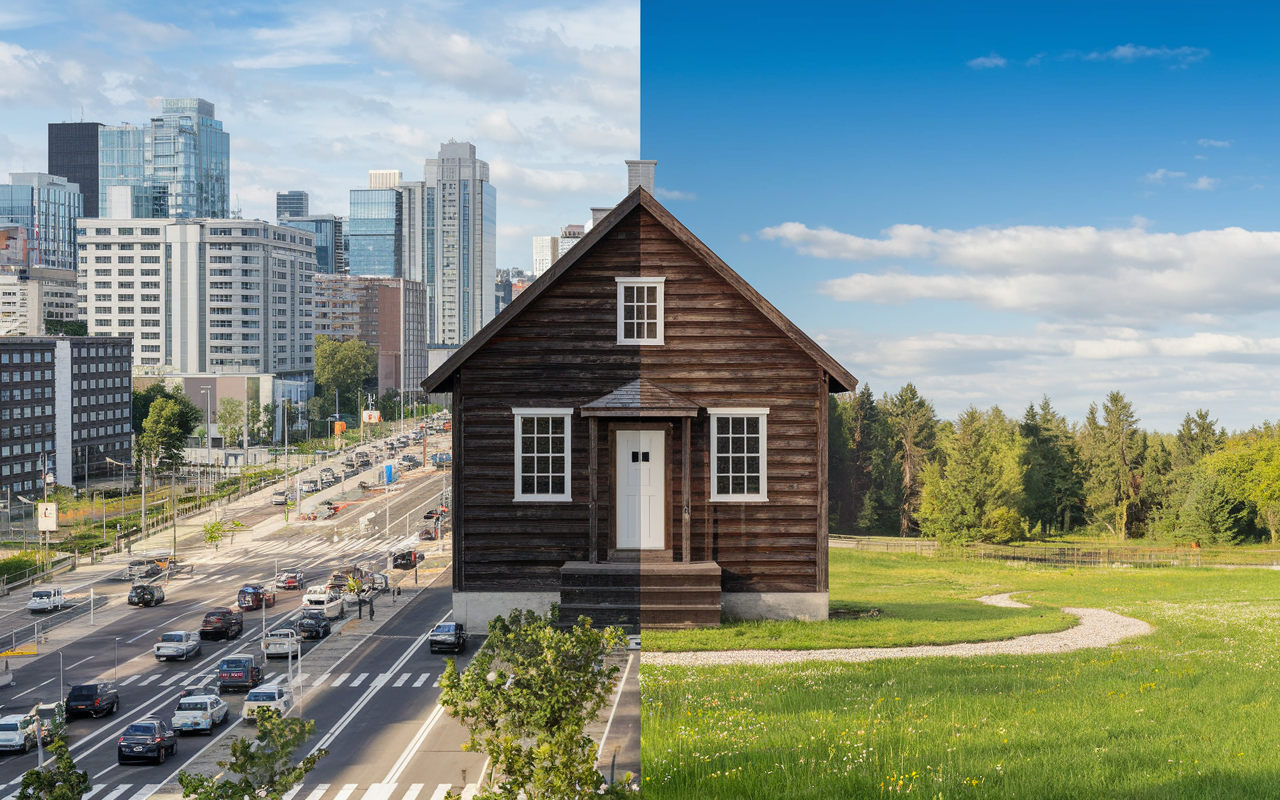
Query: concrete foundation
x=475, y=609
x=804, y=606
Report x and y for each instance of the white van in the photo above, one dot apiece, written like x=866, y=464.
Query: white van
x=45, y=600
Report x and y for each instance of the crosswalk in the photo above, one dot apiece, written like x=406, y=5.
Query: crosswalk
x=349, y=680
x=321, y=791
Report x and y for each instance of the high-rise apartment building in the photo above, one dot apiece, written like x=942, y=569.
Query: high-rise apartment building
x=73, y=154
x=46, y=206
x=571, y=235
x=177, y=167
x=546, y=249
x=292, y=204
x=203, y=296
x=460, y=268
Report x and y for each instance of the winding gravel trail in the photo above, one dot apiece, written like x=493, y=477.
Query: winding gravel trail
x=1097, y=628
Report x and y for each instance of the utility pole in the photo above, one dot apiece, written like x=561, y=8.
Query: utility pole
x=173, y=507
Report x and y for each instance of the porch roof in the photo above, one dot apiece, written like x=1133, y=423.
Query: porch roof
x=641, y=398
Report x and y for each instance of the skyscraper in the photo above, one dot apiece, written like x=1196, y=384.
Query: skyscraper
x=73, y=154
x=546, y=249
x=178, y=166
x=292, y=204
x=329, y=237
x=47, y=207
x=462, y=266
x=375, y=228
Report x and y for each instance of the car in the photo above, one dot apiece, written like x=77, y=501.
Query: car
x=427, y=534
x=283, y=642
x=350, y=473
x=92, y=700
x=254, y=596
x=148, y=739
x=325, y=599
x=279, y=498
x=221, y=623
x=45, y=600
x=405, y=559
x=451, y=636
x=200, y=713
x=310, y=486
x=313, y=624
x=53, y=719
x=277, y=697
x=146, y=595
x=143, y=568
x=177, y=644
x=291, y=578
x=196, y=691
x=239, y=671
x=19, y=732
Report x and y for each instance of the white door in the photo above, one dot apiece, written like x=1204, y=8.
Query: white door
x=641, y=481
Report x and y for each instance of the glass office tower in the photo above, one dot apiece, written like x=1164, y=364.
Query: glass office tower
x=374, y=229
x=328, y=231
x=47, y=207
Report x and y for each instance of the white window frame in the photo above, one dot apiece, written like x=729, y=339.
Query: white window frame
x=763, y=495
x=660, y=283
x=567, y=414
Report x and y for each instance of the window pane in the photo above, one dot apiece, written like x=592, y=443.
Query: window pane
x=629, y=294
x=544, y=424
x=628, y=330
x=526, y=424
x=753, y=465
x=753, y=484
x=739, y=465
x=738, y=445
x=753, y=444
x=557, y=465
x=653, y=293
x=557, y=484
x=527, y=465
x=544, y=484
x=557, y=444
x=653, y=330
x=738, y=485
x=544, y=465
x=722, y=425
x=722, y=484
x=526, y=444
x=753, y=425
x=640, y=312
x=526, y=484
x=557, y=425
x=736, y=424
x=722, y=465
x=628, y=312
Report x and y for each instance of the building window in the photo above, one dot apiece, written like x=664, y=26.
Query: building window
x=739, y=442
x=542, y=453
x=640, y=310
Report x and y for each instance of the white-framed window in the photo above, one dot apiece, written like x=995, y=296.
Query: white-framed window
x=739, y=442
x=542, y=454
x=640, y=310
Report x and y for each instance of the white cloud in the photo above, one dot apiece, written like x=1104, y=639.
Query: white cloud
x=513, y=177
x=1159, y=175
x=1133, y=52
x=496, y=126
x=444, y=57
x=673, y=194
x=1204, y=183
x=1213, y=143
x=987, y=62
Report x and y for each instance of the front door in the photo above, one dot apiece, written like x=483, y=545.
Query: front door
x=641, y=490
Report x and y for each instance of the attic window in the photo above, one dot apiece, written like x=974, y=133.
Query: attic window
x=640, y=309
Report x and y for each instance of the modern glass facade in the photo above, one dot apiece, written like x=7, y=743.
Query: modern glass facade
x=461, y=266
x=46, y=206
x=120, y=159
x=328, y=237
x=73, y=154
x=374, y=233
x=292, y=204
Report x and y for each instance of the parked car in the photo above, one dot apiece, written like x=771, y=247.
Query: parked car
x=221, y=623
x=196, y=691
x=92, y=700
x=53, y=719
x=427, y=534
x=291, y=578
x=314, y=624
x=277, y=697
x=310, y=486
x=282, y=642
x=19, y=732
x=405, y=559
x=45, y=600
x=325, y=600
x=451, y=636
x=328, y=477
x=146, y=595
x=240, y=671
x=279, y=498
x=177, y=644
x=148, y=739
x=254, y=596
x=200, y=713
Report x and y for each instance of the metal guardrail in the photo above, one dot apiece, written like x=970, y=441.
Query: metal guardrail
x=33, y=574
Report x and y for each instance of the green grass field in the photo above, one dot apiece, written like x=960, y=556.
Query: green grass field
x=1190, y=711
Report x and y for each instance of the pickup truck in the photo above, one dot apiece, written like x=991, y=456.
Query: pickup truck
x=283, y=643
x=322, y=597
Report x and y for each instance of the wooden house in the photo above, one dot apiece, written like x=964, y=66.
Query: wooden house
x=640, y=437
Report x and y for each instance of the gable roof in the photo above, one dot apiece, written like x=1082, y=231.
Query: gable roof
x=641, y=398
x=442, y=379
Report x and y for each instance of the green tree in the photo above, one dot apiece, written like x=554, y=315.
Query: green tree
x=1115, y=448
x=344, y=366
x=1262, y=482
x=389, y=404
x=62, y=782
x=65, y=327
x=1197, y=437
x=163, y=436
x=230, y=419
x=267, y=421
x=526, y=700
x=264, y=763
x=915, y=425
x=1210, y=513
x=190, y=416
x=1054, y=478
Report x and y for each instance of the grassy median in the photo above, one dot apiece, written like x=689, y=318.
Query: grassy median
x=1189, y=711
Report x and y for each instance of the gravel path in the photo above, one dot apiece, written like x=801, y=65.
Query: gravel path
x=1097, y=628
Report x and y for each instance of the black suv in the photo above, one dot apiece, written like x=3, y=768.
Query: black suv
x=221, y=623
x=313, y=624
x=146, y=595
x=92, y=700
x=450, y=636
x=149, y=739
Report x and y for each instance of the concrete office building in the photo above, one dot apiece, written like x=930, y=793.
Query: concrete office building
x=292, y=204
x=546, y=249
x=571, y=235
x=386, y=313
x=65, y=405
x=31, y=295
x=203, y=296
x=46, y=207
x=73, y=154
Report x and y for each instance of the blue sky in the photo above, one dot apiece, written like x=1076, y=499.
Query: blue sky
x=315, y=94
x=995, y=202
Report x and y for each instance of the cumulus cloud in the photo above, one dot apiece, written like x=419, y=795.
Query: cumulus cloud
x=1213, y=143
x=444, y=57
x=1204, y=183
x=1133, y=52
x=987, y=62
x=1081, y=273
x=510, y=175
x=673, y=194
x=1159, y=175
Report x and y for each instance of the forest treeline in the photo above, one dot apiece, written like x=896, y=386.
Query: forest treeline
x=896, y=469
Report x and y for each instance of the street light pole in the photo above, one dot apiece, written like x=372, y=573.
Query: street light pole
x=115, y=667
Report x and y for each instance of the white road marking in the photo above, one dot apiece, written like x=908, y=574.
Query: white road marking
x=289, y=794
x=470, y=791
x=119, y=790
x=421, y=680
x=436, y=685
x=321, y=680
x=359, y=679
x=379, y=791
x=139, y=636
x=92, y=792
x=302, y=676
x=203, y=680
x=174, y=679
x=150, y=679
x=146, y=791
x=129, y=680
x=105, y=771
x=400, y=681
x=412, y=794
x=33, y=688
x=317, y=792
x=407, y=755
x=346, y=791
x=441, y=790
x=338, y=681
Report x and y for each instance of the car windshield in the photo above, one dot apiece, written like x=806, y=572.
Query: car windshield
x=82, y=692
x=8, y=726
x=234, y=663
x=261, y=697
x=189, y=705
x=447, y=627
x=139, y=729
x=41, y=594
x=172, y=637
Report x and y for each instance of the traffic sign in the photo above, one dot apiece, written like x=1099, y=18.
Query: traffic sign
x=47, y=514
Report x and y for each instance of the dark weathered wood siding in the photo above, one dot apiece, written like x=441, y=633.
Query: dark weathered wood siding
x=720, y=351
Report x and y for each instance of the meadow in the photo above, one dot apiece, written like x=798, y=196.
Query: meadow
x=1189, y=711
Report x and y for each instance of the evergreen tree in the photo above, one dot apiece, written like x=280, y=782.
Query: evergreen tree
x=1198, y=437
x=1054, y=482
x=915, y=426
x=1115, y=448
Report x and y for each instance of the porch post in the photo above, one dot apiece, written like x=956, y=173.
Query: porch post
x=594, y=522
x=685, y=555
